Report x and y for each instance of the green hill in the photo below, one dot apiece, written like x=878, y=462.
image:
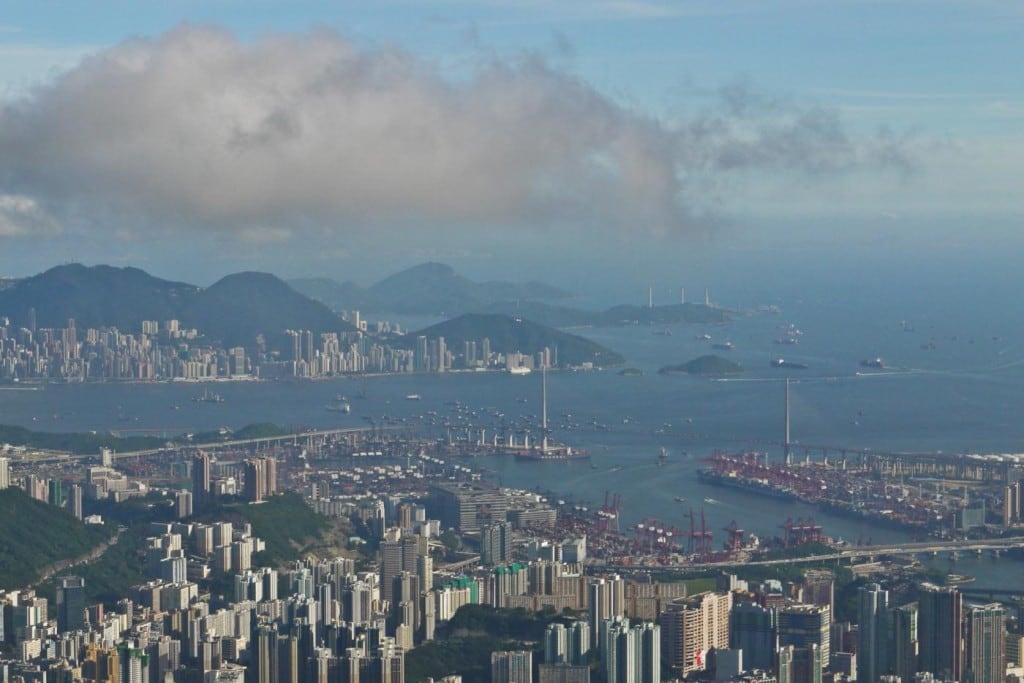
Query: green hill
x=508, y=335
x=234, y=310
x=94, y=296
x=289, y=527
x=76, y=443
x=239, y=307
x=705, y=365
x=34, y=535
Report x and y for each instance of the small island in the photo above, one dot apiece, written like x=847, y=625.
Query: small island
x=705, y=366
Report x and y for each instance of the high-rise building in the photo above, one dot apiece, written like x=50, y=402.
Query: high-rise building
x=753, y=630
x=607, y=601
x=70, y=604
x=200, y=481
x=691, y=626
x=512, y=667
x=495, y=543
x=904, y=643
x=986, y=644
x=133, y=664
x=398, y=554
x=5, y=473
x=873, y=639
x=939, y=631
x=819, y=588
x=75, y=501
x=556, y=644
x=630, y=653
x=807, y=665
x=184, y=504
x=805, y=625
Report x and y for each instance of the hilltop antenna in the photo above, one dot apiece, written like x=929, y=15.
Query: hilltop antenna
x=786, y=444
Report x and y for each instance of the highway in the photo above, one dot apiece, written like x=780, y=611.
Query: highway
x=850, y=554
x=43, y=456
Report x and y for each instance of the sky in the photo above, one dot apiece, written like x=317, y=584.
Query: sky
x=570, y=141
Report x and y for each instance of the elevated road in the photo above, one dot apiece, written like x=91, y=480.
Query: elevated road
x=45, y=456
x=850, y=554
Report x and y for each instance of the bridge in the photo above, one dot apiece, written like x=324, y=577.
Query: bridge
x=43, y=456
x=850, y=554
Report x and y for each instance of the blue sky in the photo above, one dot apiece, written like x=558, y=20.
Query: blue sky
x=457, y=130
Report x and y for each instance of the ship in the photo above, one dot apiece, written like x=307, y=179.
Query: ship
x=519, y=370
x=412, y=397
x=723, y=346
x=208, y=397
x=783, y=363
x=872, y=363
x=732, y=480
x=339, y=406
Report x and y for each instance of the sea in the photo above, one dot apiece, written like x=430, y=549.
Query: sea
x=951, y=381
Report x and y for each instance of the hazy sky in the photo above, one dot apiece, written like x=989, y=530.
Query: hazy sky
x=346, y=139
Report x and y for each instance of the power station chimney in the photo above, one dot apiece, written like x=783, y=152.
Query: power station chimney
x=650, y=297
x=707, y=297
x=682, y=295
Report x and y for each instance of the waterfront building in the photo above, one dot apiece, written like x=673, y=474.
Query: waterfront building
x=466, y=506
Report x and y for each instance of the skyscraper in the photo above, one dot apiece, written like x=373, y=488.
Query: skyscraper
x=70, y=604
x=873, y=639
x=200, y=481
x=805, y=625
x=905, y=648
x=753, y=630
x=986, y=644
x=940, y=638
x=5, y=473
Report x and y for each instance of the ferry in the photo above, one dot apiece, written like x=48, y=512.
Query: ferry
x=339, y=407
x=412, y=397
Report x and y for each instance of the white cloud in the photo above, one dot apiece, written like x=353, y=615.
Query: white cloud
x=197, y=130
x=21, y=216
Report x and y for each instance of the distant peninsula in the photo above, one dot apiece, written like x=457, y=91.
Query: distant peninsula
x=708, y=366
x=507, y=334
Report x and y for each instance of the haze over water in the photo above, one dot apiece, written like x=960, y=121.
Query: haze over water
x=961, y=396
